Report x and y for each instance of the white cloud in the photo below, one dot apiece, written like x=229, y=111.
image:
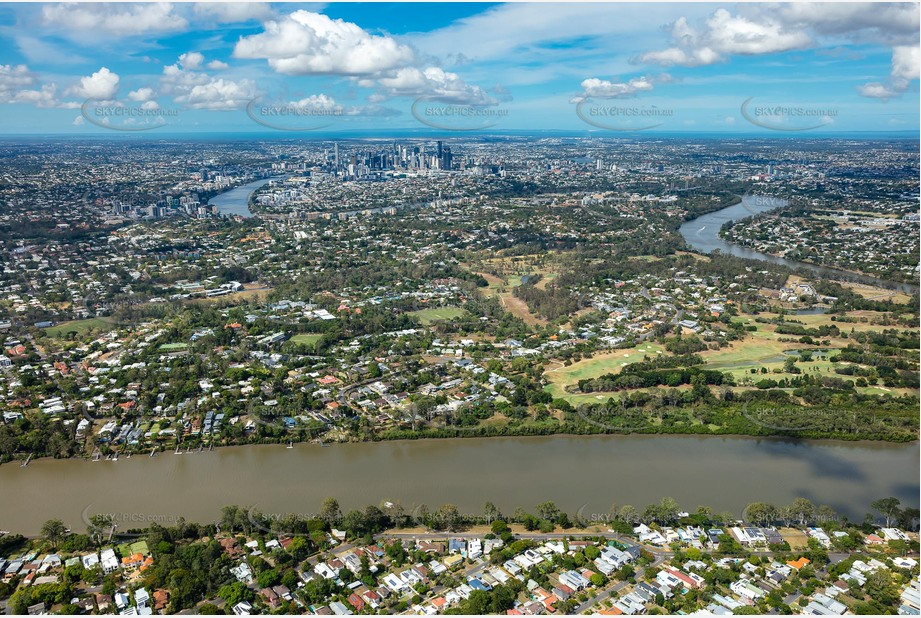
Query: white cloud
x=605, y=89
x=431, y=82
x=233, y=12
x=112, y=18
x=771, y=28
x=725, y=35
x=306, y=43
x=101, y=85
x=198, y=90
x=906, y=66
x=191, y=61
x=889, y=23
x=906, y=63
x=43, y=97
x=141, y=95
x=217, y=65
x=594, y=87
x=13, y=79
x=219, y=94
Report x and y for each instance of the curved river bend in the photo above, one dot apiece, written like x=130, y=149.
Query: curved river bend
x=703, y=232
x=586, y=473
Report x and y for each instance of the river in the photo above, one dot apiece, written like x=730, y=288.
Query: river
x=577, y=472
x=702, y=234
x=236, y=201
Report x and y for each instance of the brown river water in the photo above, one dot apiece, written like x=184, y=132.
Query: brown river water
x=586, y=473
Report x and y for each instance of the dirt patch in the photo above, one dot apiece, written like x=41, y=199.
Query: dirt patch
x=797, y=539
x=519, y=308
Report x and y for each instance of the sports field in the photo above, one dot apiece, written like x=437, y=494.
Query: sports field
x=427, y=316
x=80, y=327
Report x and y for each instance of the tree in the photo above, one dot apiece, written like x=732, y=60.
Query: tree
x=54, y=531
x=548, y=511
x=491, y=512
x=98, y=527
x=629, y=514
x=668, y=509
x=330, y=511
x=234, y=593
x=448, y=517
x=802, y=510
x=887, y=507
x=760, y=513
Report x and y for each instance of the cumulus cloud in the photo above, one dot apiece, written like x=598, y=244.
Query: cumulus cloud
x=887, y=23
x=306, y=43
x=101, y=85
x=217, y=65
x=779, y=27
x=432, y=83
x=724, y=35
x=141, y=95
x=594, y=87
x=112, y=18
x=198, y=90
x=19, y=85
x=13, y=79
x=191, y=60
x=906, y=66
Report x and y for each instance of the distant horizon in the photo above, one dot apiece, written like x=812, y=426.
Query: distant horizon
x=422, y=134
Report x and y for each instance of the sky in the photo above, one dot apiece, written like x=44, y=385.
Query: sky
x=296, y=69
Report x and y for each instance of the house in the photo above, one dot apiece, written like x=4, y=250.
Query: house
x=270, y=597
x=340, y=609
x=109, y=561
x=243, y=573
x=357, y=602
x=161, y=599
x=798, y=563
x=141, y=597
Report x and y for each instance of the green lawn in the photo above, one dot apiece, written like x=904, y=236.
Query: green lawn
x=600, y=364
x=427, y=316
x=80, y=327
x=306, y=338
x=172, y=347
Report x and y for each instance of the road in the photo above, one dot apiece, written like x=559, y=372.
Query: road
x=618, y=586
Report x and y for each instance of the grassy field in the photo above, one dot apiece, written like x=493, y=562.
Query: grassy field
x=306, y=338
x=172, y=347
x=80, y=327
x=763, y=349
x=427, y=316
x=601, y=363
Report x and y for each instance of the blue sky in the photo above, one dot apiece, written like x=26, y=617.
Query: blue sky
x=777, y=68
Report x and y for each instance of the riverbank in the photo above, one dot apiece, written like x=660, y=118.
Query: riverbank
x=493, y=431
